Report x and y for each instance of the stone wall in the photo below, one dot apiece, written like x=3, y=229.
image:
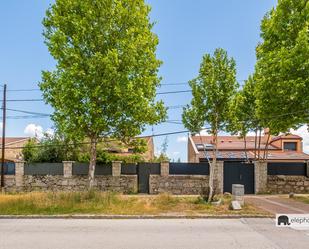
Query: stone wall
x=283, y=184
x=68, y=182
x=178, y=184
x=123, y=183
x=9, y=183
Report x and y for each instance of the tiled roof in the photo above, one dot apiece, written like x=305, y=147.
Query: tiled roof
x=9, y=140
x=232, y=147
x=272, y=155
x=227, y=155
x=231, y=142
x=286, y=136
x=287, y=155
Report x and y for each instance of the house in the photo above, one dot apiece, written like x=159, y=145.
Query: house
x=14, y=146
x=120, y=149
x=282, y=148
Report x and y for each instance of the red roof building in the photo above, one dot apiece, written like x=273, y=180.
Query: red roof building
x=283, y=148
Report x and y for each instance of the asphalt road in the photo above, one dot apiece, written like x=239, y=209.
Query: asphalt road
x=144, y=234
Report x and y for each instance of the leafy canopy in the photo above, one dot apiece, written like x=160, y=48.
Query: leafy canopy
x=282, y=69
x=51, y=148
x=242, y=110
x=105, y=79
x=212, y=91
x=56, y=149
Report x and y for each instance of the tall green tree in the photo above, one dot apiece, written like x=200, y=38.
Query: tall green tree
x=242, y=112
x=105, y=80
x=282, y=69
x=212, y=91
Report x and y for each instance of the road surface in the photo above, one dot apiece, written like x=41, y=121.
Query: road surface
x=277, y=205
x=144, y=234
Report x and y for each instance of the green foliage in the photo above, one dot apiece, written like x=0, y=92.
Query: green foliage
x=51, y=149
x=106, y=75
x=163, y=152
x=30, y=151
x=212, y=91
x=138, y=145
x=107, y=157
x=282, y=69
x=242, y=110
x=161, y=158
x=105, y=80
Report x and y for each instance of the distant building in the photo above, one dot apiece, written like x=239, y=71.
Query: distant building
x=283, y=148
x=13, y=147
x=121, y=149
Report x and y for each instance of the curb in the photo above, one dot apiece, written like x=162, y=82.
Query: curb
x=118, y=217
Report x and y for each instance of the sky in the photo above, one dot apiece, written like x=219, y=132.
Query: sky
x=186, y=29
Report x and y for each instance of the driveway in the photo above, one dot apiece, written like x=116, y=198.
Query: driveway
x=144, y=234
x=277, y=205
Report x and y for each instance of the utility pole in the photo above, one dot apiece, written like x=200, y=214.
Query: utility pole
x=3, y=135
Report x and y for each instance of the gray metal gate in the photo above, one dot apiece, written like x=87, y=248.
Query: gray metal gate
x=143, y=172
x=238, y=173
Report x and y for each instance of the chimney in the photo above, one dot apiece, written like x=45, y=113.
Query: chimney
x=266, y=133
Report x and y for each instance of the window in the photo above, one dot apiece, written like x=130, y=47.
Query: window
x=204, y=146
x=290, y=146
x=200, y=146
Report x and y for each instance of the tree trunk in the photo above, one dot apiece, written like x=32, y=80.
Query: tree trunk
x=92, y=164
x=259, y=147
x=245, y=143
x=204, y=147
x=212, y=166
x=266, y=148
x=255, y=143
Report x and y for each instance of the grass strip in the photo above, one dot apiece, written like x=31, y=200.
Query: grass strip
x=107, y=203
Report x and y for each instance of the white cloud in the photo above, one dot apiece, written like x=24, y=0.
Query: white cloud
x=303, y=132
x=175, y=153
x=50, y=132
x=34, y=130
x=182, y=139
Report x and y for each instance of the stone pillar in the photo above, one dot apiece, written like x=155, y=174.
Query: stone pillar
x=165, y=168
x=307, y=168
x=19, y=175
x=116, y=168
x=218, y=177
x=67, y=168
x=260, y=177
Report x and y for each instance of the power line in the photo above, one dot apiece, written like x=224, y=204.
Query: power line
x=175, y=84
x=28, y=112
x=24, y=90
x=42, y=115
x=172, y=92
x=175, y=106
x=22, y=100
x=37, y=100
x=47, y=114
x=26, y=117
x=183, y=83
x=38, y=89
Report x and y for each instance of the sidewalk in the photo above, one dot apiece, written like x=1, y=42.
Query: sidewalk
x=276, y=204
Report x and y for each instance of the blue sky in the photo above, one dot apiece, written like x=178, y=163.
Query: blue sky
x=186, y=30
